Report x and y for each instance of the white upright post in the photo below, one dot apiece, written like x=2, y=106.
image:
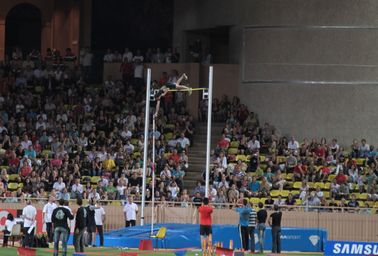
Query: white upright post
x=153, y=176
x=145, y=150
x=209, y=110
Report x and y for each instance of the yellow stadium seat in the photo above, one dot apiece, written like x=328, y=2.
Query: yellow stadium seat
x=298, y=202
x=327, y=185
x=232, y=151
x=326, y=194
x=262, y=158
x=84, y=179
x=361, y=161
x=234, y=144
x=295, y=192
x=376, y=204
x=281, y=159
x=136, y=154
x=311, y=184
x=284, y=193
x=263, y=199
x=254, y=200
x=95, y=179
x=243, y=158
x=297, y=185
x=263, y=166
x=13, y=186
x=331, y=177
x=319, y=184
x=362, y=196
x=168, y=136
x=46, y=152
x=13, y=177
x=289, y=176
x=275, y=193
x=20, y=185
x=134, y=141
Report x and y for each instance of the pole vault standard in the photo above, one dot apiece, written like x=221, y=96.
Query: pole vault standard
x=146, y=128
x=209, y=111
x=153, y=175
x=145, y=149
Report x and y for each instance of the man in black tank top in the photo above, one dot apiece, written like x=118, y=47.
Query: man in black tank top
x=275, y=223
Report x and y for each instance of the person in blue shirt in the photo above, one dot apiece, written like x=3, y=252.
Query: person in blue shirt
x=244, y=212
x=254, y=186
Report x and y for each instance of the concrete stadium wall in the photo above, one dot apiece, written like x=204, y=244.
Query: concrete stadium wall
x=308, y=67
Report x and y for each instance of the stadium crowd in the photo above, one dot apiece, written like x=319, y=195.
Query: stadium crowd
x=63, y=137
x=255, y=161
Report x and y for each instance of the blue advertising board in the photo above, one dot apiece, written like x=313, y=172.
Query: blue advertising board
x=187, y=236
x=350, y=248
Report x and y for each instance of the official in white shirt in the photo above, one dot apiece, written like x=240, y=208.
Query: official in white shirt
x=47, y=212
x=130, y=210
x=29, y=213
x=100, y=219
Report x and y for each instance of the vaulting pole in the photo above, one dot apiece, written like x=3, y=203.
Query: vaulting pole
x=209, y=111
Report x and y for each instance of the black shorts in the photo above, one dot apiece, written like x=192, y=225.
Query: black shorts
x=171, y=85
x=205, y=230
x=91, y=228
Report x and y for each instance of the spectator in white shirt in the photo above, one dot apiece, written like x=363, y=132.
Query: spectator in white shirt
x=47, y=212
x=77, y=190
x=138, y=57
x=364, y=148
x=183, y=141
x=25, y=143
x=109, y=56
x=59, y=186
x=94, y=195
x=174, y=190
x=293, y=145
x=127, y=55
x=254, y=144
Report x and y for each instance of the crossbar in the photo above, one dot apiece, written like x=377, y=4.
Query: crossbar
x=186, y=90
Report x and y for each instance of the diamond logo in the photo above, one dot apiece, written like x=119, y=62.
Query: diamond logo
x=314, y=240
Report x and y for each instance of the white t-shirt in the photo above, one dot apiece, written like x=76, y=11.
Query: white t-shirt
x=293, y=145
x=138, y=71
x=130, y=210
x=59, y=186
x=29, y=213
x=9, y=225
x=98, y=216
x=48, y=210
x=254, y=144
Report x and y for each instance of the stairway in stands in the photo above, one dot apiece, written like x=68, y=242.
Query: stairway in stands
x=197, y=153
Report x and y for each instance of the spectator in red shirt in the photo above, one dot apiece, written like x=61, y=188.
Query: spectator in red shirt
x=223, y=143
x=56, y=162
x=341, y=178
x=205, y=211
x=175, y=157
x=299, y=171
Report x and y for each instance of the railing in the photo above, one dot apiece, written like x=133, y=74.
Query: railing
x=359, y=224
